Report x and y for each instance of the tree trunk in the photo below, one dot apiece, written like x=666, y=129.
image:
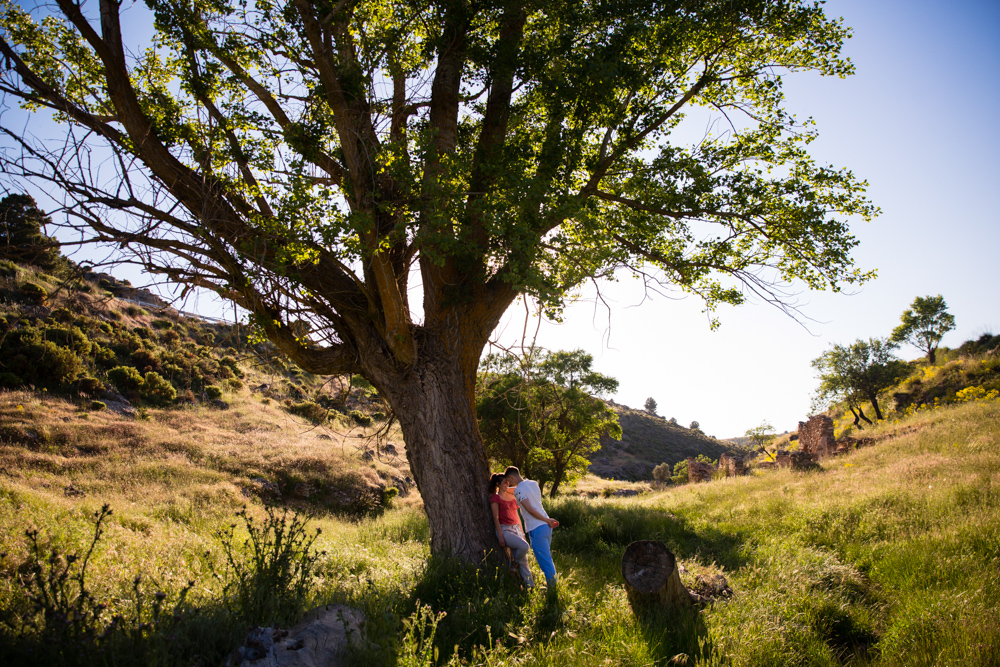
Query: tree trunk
x=652, y=578
x=434, y=403
x=932, y=355
x=863, y=416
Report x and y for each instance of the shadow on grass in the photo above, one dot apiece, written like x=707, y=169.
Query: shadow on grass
x=607, y=530
x=674, y=636
x=481, y=604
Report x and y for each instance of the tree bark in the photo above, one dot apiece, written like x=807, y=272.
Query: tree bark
x=434, y=402
x=652, y=577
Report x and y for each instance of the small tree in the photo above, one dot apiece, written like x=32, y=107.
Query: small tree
x=650, y=405
x=760, y=436
x=661, y=473
x=858, y=373
x=695, y=426
x=924, y=325
x=680, y=475
x=21, y=237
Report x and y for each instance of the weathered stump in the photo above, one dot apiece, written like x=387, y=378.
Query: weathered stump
x=652, y=578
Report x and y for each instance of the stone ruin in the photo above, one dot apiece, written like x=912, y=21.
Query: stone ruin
x=734, y=466
x=816, y=437
x=699, y=471
x=797, y=460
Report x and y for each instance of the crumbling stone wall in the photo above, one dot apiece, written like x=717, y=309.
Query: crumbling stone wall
x=699, y=471
x=734, y=466
x=783, y=458
x=816, y=436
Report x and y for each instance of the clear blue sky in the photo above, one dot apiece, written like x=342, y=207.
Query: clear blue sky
x=919, y=121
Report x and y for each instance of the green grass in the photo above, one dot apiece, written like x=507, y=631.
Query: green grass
x=887, y=556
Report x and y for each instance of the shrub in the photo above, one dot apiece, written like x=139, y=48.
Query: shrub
x=270, y=574
x=8, y=269
x=98, y=405
x=62, y=315
x=65, y=623
x=213, y=392
x=157, y=390
x=162, y=324
x=146, y=359
x=360, y=418
x=37, y=361
x=235, y=384
x=34, y=293
x=71, y=337
x=126, y=379
x=680, y=475
x=8, y=379
x=103, y=356
x=170, y=337
x=134, y=311
x=662, y=472
x=89, y=385
x=309, y=410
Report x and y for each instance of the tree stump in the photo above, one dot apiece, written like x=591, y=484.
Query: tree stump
x=652, y=578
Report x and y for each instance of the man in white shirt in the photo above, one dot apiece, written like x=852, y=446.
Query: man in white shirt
x=537, y=523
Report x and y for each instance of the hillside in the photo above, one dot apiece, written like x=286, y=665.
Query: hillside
x=887, y=556
x=647, y=441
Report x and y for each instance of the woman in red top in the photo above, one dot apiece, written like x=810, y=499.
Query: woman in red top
x=507, y=522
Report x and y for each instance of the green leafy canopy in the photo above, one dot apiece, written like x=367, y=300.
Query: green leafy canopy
x=301, y=158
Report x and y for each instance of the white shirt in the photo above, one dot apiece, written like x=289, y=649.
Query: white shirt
x=528, y=490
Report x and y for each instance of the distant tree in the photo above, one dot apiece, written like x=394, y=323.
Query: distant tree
x=924, y=325
x=650, y=405
x=858, y=373
x=21, y=237
x=543, y=413
x=673, y=420
x=680, y=475
x=662, y=473
x=760, y=436
x=695, y=426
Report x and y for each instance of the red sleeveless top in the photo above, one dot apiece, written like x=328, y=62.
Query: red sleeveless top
x=508, y=510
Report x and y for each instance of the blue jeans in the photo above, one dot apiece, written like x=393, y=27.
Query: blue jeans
x=541, y=544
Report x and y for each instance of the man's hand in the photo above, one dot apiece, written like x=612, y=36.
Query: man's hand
x=552, y=523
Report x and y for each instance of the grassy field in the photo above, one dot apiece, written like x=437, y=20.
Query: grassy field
x=888, y=556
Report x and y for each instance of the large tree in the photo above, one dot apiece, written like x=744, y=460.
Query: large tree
x=396, y=172
x=924, y=324
x=857, y=373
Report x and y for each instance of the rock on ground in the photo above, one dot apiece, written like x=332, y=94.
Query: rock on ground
x=319, y=640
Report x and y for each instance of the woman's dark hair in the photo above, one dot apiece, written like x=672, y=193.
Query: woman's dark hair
x=495, y=480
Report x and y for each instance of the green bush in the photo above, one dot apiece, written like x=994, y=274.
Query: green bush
x=126, y=379
x=360, y=418
x=70, y=337
x=103, y=356
x=213, y=392
x=235, y=384
x=662, y=473
x=155, y=389
x=37, y=361
x=8, y=379
x=8, y=269
x=98, y=405
x=309, y=410
x=89, y=385
x=162, y=324
x=34, y=293
x=62, y=315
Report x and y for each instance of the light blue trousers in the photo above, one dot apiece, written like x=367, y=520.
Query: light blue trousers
x=541, y=544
